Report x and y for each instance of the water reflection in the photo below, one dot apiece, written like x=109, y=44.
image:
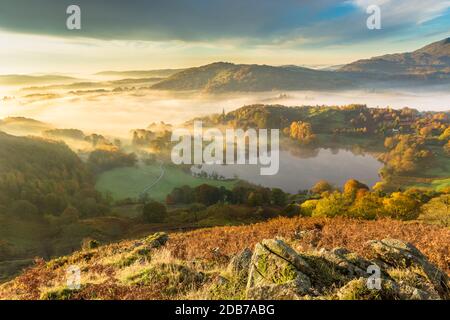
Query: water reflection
x=301, y=168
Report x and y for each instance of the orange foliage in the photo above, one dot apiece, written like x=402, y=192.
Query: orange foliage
x=328, y=233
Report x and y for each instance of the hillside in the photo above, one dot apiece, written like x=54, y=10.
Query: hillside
x=219, y=263
x=22, y=80
x=23, y=126
x=433, y=58
x=140, y=73
x=429, y=65
x=41, y=199
x=227, y=77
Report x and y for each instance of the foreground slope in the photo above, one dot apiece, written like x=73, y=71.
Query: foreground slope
x=224, y=263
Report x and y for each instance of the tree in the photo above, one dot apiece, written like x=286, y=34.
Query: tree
x=154, y=212
x=103, y=160
x=445, y=135
x=368, y=206
x=333, y=205
x=321, y=187
x=447, y=148
x=437, y=210
x=302, y=132
x=352, y=186
x=307, y=207
x=70, y=215
x=401, y=206
x=255, y=199
x=24, y=209
x=278, y=197
x=206, y=194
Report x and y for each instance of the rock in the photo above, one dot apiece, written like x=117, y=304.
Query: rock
x=89, y=244
x=358, y=289
x=276, y=272
x=410, y=293
x=156, y=240
x=400, y=254
x=240, y=263
x=282, y=250
x=347, y=263
x=287, y=291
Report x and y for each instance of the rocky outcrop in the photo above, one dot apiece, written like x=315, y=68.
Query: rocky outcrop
x=277, y=271
x=399, y=254
x=240, y=263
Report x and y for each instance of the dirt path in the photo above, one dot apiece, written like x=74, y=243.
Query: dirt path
x=154, y=183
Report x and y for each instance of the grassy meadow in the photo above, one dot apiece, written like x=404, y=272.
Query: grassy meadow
x=130, y=182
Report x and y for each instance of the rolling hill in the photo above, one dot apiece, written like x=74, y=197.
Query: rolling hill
x=140, y=73
x=433, y=58
x=22, y=80
x=227, y=77
x=429, y=65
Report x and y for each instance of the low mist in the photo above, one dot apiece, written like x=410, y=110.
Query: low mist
x=116, y=113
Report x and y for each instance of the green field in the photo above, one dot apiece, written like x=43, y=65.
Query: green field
x=129, y=182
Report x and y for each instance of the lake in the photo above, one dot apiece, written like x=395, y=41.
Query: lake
x=302, y=172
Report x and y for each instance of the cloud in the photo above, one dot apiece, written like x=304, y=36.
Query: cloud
x=200, y=31
x=407, y=11
x=161, y=19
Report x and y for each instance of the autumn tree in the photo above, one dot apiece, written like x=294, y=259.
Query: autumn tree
x=154, y=212
x=401, y=206
x=302, y=132
x=321, y=187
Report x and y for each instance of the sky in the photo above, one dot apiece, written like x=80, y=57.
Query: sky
x=153, y=34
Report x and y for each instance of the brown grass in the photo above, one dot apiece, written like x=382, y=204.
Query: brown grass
x=328, y=233
x=103, y=277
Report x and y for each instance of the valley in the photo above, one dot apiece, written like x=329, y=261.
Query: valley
x=87, y=177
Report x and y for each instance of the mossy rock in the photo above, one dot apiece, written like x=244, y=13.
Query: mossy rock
x=326, y=273
x=413, y=284
x=231, y=288
x=272, y=274
x=89, y=244
x=156, y=240
x=357, y=289
x=57, y=263
x=240, y=263
x=401, y=254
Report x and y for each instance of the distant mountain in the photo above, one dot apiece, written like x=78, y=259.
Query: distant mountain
x=23, y=126
x=433, y=58
x=228, y=77
x=163, y=73
x=429, y=65
x=19, y=79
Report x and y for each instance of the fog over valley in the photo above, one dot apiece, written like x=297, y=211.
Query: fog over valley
x=116, y=113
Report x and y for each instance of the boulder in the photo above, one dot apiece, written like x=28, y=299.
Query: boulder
x=276, y=272
x=400, y=254
x=240, y=263
x=358, y=289
x=346, y=262
x=156, y=240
